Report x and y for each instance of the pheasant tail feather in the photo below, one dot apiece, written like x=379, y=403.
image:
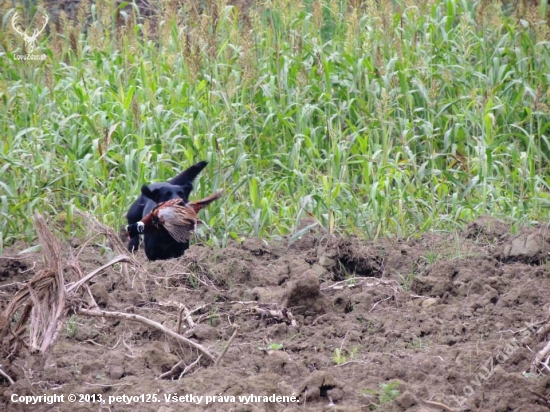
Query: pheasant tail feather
x=200, y=204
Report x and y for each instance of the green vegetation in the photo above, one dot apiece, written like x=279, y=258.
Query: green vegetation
x=340, y=356
x=273, y=346
x=388, y=392
x=393, y=117
x=407, y=280
x=71, y=328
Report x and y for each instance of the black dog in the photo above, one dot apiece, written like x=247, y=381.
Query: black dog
x=160, y=245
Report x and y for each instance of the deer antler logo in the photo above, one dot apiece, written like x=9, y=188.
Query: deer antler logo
x=29, y=40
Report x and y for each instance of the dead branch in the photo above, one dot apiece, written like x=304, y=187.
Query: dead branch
x=236, y=328
x=75, y=266
x=173, y=369
x=359, y=281
x=119, y=258
x=543, y=331
x=541, y=397
x=380, y=301
x=145, y=321
x=7, y=285
x=42, y=300
x=439, y=405
x=177, y=365
x=5, y=375
x=543, y=353
x=187, y=318
x=181, y=310
x=542, y=358
x=189, y=367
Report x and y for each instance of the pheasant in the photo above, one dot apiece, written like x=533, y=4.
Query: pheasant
x=176, y=217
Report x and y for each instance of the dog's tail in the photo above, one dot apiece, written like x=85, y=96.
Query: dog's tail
x=188, y=175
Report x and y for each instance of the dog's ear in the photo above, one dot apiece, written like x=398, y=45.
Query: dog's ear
x=148, y=193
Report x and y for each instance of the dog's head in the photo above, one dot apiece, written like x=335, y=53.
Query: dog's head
x=161, y=192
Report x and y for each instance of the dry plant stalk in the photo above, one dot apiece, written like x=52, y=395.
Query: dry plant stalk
x=43, y=299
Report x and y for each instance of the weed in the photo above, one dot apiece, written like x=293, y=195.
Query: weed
x=71, y=327
x=418, y=344
x=386, y=393
x=407, y=280
x=339, y=357
x=432, y=257
x=273, y=346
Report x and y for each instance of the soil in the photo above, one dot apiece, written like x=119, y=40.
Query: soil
x=431, y=323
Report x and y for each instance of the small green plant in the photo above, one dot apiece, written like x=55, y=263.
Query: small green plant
x=432, y=257
x=213, y=315
x=346, y=273
x=386, y=393
x=72, y=327
x=339, y=357
x=273, y=346
x=407, y=280
x=193, y=281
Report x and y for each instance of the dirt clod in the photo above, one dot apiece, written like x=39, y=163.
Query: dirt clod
x=304, y=296
x=10, y=267
x=406, y=401
x=488, y=230
x=318, y=384
x=531, y=248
